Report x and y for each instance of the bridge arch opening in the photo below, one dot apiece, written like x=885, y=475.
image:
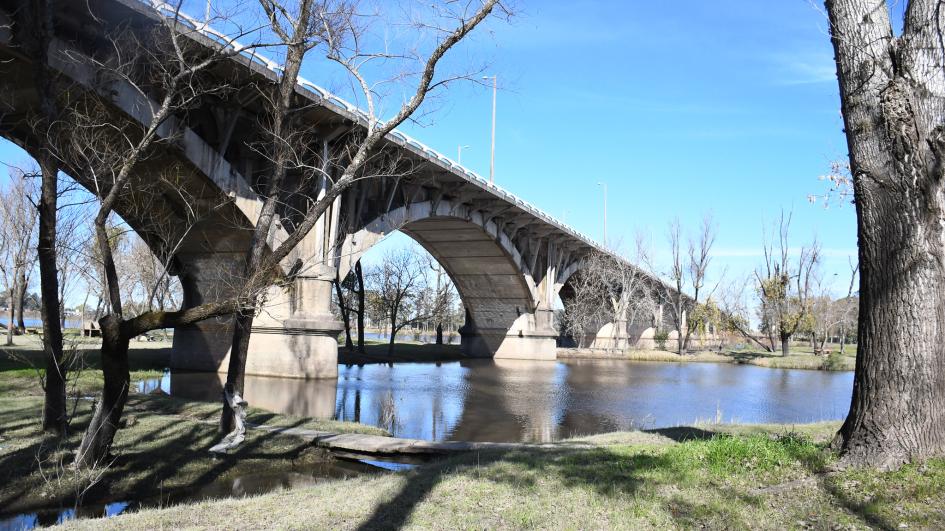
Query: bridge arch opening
x=504, y=317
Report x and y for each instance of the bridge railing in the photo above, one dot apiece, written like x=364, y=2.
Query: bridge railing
x=201, y=26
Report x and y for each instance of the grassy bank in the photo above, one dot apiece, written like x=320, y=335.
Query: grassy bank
x=161, y=452
x=798, y=358
x=769, y=477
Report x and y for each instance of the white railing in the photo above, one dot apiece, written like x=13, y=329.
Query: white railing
x=168, y=11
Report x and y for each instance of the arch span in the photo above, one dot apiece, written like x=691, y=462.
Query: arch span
x=506, y=315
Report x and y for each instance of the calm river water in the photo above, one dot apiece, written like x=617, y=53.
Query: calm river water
x=505, y=401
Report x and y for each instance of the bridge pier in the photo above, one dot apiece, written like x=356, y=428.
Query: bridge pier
x=295, y=335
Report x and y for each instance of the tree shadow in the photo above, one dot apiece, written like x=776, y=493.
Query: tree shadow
x=684, y=433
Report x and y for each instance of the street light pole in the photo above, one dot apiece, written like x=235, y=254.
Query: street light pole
x=459, y=154
x=495, y=84
x=605, y=210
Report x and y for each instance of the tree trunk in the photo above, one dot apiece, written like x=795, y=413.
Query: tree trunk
x=785, y=344
x=98, y=438
x=236, y=371
x=360, y=315
x=345, y=315
x=10, y=319
x=20, y=299
x=893, y=101
x=54, y=411
x=439, y=333
x=843, y=338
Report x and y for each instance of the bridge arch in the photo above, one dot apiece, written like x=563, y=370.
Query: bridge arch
x=506, y=315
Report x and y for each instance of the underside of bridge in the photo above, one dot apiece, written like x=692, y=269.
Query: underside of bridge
x=195, y=202
x=502, y=318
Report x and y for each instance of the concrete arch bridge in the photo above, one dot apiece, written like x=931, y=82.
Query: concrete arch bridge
x=195, y=201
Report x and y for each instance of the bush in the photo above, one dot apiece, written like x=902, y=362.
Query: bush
x=833, y=362
x=660, y=338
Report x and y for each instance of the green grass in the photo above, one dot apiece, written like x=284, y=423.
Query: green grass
x=756, y=477
x=162, y=450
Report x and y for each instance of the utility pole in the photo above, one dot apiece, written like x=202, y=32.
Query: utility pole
x=495, y=84
x=605, y=211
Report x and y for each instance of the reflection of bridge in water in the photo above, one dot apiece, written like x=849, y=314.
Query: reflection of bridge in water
x=523, y=400
x=507, y=258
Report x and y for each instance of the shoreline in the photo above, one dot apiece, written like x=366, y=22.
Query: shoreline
x=795, y=360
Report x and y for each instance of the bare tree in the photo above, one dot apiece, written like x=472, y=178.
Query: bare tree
x=18, y=227
x=443, y=293
x=783, y=288
x=335, y=27
x=397, y=285
x=108, y=156
x=688, y=271
x=606, y=289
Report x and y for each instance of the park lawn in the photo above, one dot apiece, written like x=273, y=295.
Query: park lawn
x=376, y=351
x=764, y=477
x=162, y=450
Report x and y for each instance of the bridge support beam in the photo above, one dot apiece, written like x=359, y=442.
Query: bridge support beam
x=295, y=336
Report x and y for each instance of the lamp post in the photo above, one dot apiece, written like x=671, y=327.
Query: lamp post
x=599, y=183
x=495, y=84
x=459, y=154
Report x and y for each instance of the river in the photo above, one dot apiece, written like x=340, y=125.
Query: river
x=512, y=401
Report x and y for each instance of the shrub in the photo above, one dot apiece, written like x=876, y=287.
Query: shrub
x=833, y=362
x=660, y=338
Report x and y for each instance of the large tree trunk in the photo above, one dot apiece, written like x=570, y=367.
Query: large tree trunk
x=54, y=411
x=236, y=371
x=98, y=438
x=785, y=344
x=360, y=315
x=893, y=101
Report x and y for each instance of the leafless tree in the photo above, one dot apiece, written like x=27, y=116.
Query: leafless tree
x=784, y=288
x=18, y=227
x=336, y=28
x=397, y=286
x=606, y=289
x=108, y=156
x=688, y=272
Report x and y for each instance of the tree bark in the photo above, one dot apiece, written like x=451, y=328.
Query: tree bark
x=439, y=333
x=54, y=410
x=98, y=438
x=10, y=324
x=893, y=101
x=359, y=274
x=785, y=344
x=345, y=312
x=20, y=299
x=236, y=371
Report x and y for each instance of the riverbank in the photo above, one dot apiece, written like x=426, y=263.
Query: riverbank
x=797, y=359
x=161, y=453
x=763, y=476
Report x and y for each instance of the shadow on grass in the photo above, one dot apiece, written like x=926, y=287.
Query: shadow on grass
x=155, y=458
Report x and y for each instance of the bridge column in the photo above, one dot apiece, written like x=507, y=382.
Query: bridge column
x=294, y=335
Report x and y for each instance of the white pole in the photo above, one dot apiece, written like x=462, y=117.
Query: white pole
x=604, y=185
x=495, y=83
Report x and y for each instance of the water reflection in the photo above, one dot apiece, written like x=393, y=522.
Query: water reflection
x=485, y=400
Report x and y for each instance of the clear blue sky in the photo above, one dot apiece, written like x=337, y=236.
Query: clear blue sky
x=727, y=107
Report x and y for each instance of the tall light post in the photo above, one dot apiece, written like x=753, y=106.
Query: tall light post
x=459, y=154
x=599, y=183
x=495, y=84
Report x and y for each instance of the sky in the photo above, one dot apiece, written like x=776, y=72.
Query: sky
x=727, y=108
